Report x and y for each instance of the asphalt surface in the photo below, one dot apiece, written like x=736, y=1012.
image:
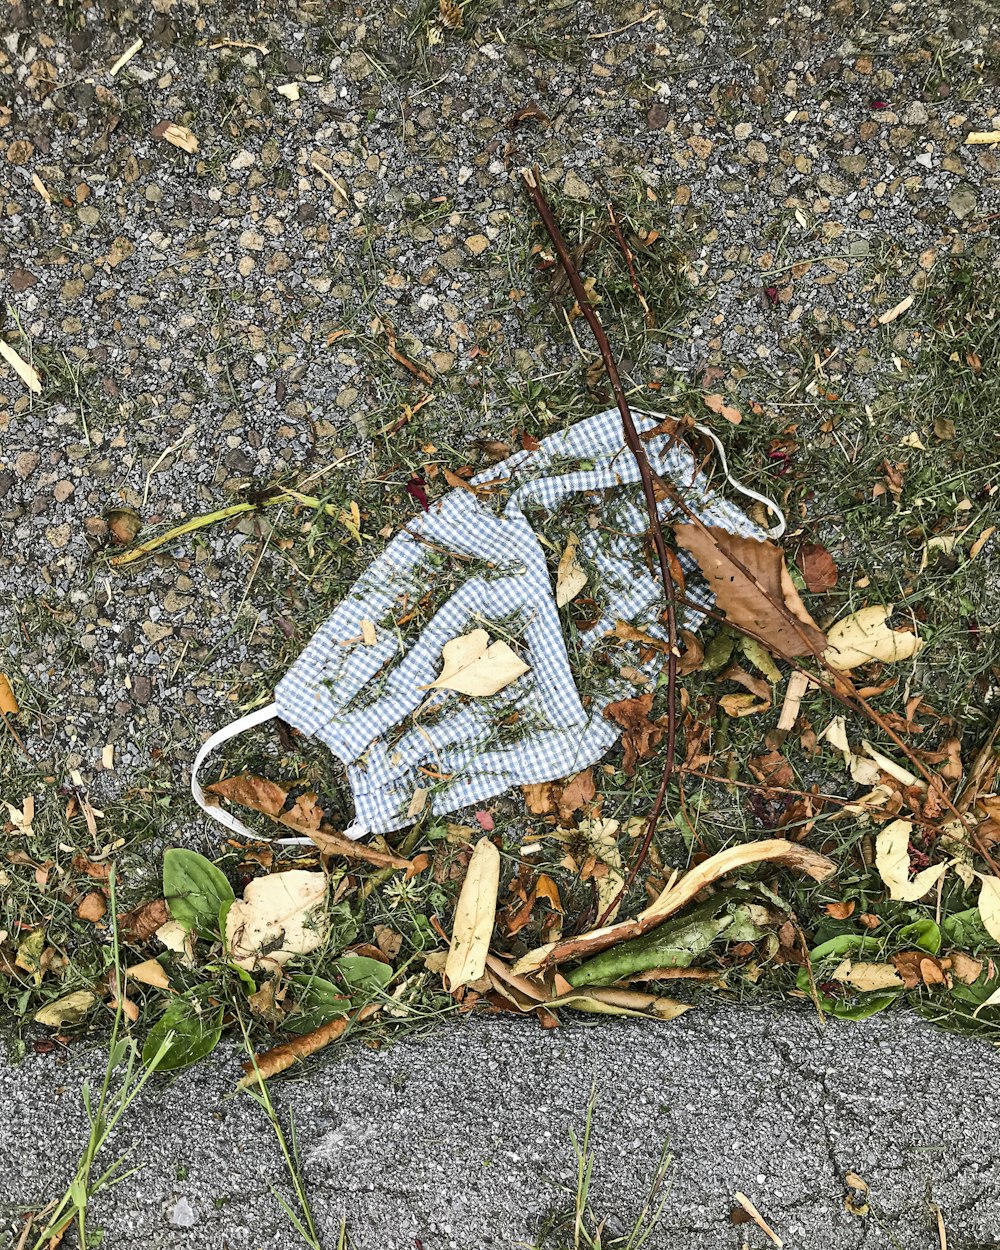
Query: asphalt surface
x=462, y=1140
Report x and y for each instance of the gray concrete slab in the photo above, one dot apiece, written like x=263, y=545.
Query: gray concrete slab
x=461, y=1141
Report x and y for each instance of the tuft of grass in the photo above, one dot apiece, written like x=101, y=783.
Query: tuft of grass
x=577, y=1226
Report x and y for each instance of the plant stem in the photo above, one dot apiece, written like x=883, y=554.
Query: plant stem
x=647, y=477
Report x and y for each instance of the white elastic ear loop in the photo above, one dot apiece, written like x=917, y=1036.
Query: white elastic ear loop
x=219, y=813
x=775, y=531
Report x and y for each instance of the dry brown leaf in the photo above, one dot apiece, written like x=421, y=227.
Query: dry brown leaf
x=757, y=1218
x=609, y=878
x=388, y=940
x=570, y=577
x=149, y=972
x=817, y=567
x=27, y=373
x=892, y=859
x=840, y=911
x=475, y=667
x=92, y=907
x=8, y=704
x=981, y=541
x=640, y=735
x=717, y=403
x=864, y=636
x=736, y=705
x=304, y=816
x=765, y=602
x=123, y=524
x=964, y=968
x=677, y=895
x=282, y=1057
x=474, y=917
x=139, y=924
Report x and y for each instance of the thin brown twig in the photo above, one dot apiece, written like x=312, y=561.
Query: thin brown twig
x=630, y=265
x=813, y=994
x=764, y=788
x=647, y=478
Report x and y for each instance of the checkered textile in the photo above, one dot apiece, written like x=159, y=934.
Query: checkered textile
x=475, y=561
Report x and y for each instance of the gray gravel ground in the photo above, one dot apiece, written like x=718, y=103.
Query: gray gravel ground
x=180, y=307
x=462, y=1141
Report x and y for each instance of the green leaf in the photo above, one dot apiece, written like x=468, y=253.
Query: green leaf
x=196, y=1034
x=197, y=893
x=316, y=1002
x=363, y=977
x=923, y=934
x=860, y=1005
x=964, y=929
x=343, y=926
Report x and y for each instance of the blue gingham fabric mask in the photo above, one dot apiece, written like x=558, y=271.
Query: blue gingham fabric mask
x=476, y=559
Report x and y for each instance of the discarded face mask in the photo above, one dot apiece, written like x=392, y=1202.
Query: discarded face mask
x=476, y=560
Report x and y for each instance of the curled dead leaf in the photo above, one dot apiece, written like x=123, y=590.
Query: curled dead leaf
x=892, y=859
x=279, y=916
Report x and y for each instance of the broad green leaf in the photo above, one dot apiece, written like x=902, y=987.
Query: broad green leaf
x=923, y=934
x=197, y=893
x=363, y=977
x=965, y=930
x=316, y=1002
x=858, y=1006
x=196, y=1034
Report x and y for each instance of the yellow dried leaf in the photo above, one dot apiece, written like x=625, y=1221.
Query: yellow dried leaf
x=149, y=972
x=474, y=666
x=8, y=704
x=895, y=312
x=863, y=976
x=68, y=1010
x=864, y=636
x=892, y=859
x=181, y=137
x=474, y=917
x=279, y=916
x=989, y=906
x=570, y=577
x=716, y=403
x=737, y=705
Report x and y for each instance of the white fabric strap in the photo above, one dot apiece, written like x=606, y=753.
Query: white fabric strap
x=219, y=813
x=773, y=531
